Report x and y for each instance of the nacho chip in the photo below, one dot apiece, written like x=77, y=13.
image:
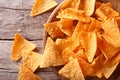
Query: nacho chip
x=104, y=12
x=66, y=26
x=72, y=71
x=26, y=74
x=97, y=4
x=67, y=43
x=32, y=61
x=41, y=6
x=66, y=54
x=21, y=46
x=54, y=30
x=108, y=70
x=90, y=41
x=88, y=6
x=111, y=32
x=51, y=56
x=107, y=49
x=70, y=4
x=70, y=13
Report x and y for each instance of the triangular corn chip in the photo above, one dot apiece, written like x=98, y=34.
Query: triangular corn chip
x=71, y=4
x=70, y=13
x=107, y=49
x=108, y=70
x=72, y=71
x=88, y=6
x=111, y=32
x=51, y=56
x=90, y=41
x=26, y=74
x=20, y=47
x=32, y=60
x=105, y=11
x=41, y=6
x=53, y=29
x=66, y=54
x=66, y=26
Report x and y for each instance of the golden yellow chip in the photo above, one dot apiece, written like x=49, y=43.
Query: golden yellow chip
x=53, y=29
x=88, y=6
x=20, y=47
x=71, y=4
x=70, y=13
x=90, y=41
x=32, y=61
x=105, y=11
x=66, y=26
x=51, y=56
x=26, y=74
x=111, y=32
x=66, y=54
x=41, y=6
x=72, y=71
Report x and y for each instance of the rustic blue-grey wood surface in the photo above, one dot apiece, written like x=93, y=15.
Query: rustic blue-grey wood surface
x=14, y=18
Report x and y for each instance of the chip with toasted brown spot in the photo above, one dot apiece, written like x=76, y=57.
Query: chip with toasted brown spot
x=26, y=74
x=53, y=29
x=72, y=71
x=20, y=47
x=52, y=55
x=41, y=6
x=32, y=61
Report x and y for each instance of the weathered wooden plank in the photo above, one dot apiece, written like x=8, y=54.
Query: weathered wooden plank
x=9, y=69
x=14, y=17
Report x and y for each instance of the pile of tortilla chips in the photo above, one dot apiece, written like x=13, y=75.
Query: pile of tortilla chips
x=85, y=38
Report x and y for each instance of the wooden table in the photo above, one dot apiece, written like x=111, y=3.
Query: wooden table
x=14, y=18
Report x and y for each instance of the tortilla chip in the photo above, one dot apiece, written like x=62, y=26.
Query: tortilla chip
x=71, y=4
x=111, y=32
x=72, y=71
x=32, y=61
x=66, y=54
x=67, y=43
x=108, y=70
x=53, y=29
x=90, y=41
x=88, y=6
x=66, y=26
x=20, y=47
x=41, y=6
x=51, y=56
x=107, y=49
x=85, y=67
x=70, y=13
x=97, y=4
x=104, y=12
x=26, y=74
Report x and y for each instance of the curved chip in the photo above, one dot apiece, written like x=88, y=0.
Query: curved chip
x=41, y=6
x=20, y=47
x=88, y=6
